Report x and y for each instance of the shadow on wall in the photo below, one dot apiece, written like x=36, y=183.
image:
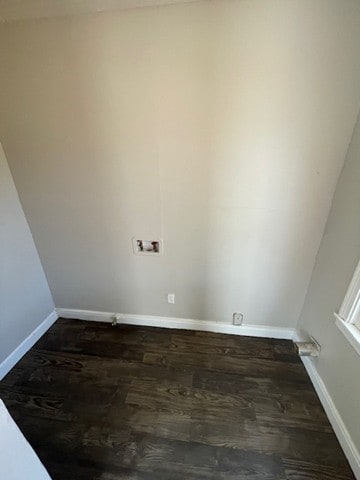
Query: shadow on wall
x=219, y=127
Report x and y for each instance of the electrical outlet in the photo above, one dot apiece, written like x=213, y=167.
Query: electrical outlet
x=238, y=318
x=171, y=298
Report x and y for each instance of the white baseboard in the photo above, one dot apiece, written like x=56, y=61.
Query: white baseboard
x=180, y=323
x=9, y=362
x=336, y=421
x=346, y=442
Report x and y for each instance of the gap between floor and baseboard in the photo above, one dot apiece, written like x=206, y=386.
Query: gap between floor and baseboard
x=16, y=355
x=179, y=323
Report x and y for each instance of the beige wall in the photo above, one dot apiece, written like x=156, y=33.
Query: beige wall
x=219, y=126
x=339, y=363
x=25, y=299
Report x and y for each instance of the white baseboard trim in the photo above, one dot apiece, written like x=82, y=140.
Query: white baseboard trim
x=9, y=362
x=180, y=323
x=346, y=442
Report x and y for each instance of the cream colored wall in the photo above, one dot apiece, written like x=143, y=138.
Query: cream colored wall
x=25, y=299
x=25, y=9
x=339, y=363
x=220, y=126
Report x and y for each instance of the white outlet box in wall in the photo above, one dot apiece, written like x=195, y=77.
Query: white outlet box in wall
x=147, y=247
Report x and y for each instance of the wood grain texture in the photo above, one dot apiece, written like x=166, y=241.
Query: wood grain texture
x=135, y=403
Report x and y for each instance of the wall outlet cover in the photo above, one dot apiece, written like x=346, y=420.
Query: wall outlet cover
x=238, y=318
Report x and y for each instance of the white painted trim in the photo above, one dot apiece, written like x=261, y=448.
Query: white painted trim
x=351, y=332
x=346, y=442
x=180, y=323
x=349, y=310
x=9, y=362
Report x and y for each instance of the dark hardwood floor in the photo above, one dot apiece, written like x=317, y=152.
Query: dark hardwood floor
x=134, y=403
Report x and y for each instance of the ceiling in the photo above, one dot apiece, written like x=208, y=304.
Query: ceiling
x=11, y=10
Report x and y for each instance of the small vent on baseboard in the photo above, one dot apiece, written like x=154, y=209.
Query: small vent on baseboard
x=308, y=349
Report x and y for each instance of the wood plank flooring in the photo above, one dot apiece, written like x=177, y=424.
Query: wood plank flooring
x=136, y=403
